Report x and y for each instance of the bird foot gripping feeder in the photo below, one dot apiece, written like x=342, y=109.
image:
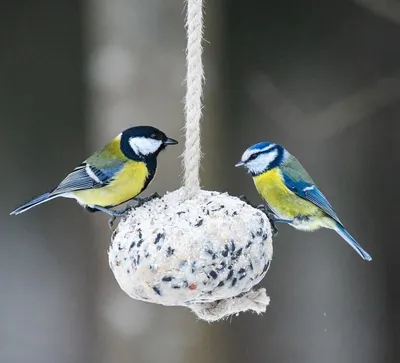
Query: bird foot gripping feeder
x=195, y=248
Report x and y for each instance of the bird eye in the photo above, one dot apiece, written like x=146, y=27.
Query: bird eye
x=252, y=157
x=154, y=136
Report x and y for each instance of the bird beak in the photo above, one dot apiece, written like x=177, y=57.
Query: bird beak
x=169, y=141
x=239, y=164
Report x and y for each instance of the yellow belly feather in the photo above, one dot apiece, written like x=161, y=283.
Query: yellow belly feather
x=127, y=184
x=285, y=203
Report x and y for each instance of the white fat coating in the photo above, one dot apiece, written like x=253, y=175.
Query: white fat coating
x=250, y=151
x=261, y=162
x=194, y=252
x=144, y=145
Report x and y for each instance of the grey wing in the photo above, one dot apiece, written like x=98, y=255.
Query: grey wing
x=85, y=176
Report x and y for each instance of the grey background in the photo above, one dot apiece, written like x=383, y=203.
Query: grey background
x=320, y=77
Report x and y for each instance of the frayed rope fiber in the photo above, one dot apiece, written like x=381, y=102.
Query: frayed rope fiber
x=194, y=248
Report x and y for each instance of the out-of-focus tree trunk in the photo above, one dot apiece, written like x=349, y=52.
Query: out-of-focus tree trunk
x=45, y=314
x=136, y=73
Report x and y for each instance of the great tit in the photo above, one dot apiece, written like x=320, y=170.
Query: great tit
x=120, y=171
x=290, y=193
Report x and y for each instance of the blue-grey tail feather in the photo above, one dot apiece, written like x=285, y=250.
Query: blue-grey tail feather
x=34, y=202
x=341, y=231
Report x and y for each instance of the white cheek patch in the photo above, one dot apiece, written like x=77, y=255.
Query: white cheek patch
x=285, y=155
x=144, y=145
x=262, y=162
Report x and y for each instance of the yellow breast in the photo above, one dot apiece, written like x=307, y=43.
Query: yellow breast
x=281, y=200
x=128, y=183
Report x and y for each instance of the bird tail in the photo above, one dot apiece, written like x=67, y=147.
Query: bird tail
x=341, y=231
x=34, y=202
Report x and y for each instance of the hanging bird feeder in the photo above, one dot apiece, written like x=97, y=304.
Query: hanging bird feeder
x=200, y=249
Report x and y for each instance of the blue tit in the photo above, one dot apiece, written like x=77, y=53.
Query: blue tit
x=118, y=172
x=290, y=193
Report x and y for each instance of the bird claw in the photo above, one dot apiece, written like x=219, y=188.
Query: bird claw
x=271, y=217
x=128, y=208
x=119, y=213
x=243, y=198
x=273, y=228
x=111, y=223
x=141, y=201
x=263, y=208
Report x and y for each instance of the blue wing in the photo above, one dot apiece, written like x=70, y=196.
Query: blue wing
x=311, y=193
x=86, y=176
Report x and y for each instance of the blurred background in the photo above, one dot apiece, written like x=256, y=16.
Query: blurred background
x=320, y=77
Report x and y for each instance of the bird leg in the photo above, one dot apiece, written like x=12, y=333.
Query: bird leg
x=276, y=220
x=141, y=201
x=113, y=213
x=264, y=208
x=121, y=212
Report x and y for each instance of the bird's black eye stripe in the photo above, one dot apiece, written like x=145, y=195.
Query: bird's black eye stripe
x=156, y=136
x=253, y=156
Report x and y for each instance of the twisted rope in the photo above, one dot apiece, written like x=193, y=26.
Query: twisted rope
x=194, y=91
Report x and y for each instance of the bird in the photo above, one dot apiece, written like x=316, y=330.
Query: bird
x=289, y=192
x=118, y=172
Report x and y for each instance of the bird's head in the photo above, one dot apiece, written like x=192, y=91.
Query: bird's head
x=143, y=142
x=262, y=157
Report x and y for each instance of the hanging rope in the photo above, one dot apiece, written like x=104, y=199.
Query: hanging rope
x=155, y=249
x=194, y=91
